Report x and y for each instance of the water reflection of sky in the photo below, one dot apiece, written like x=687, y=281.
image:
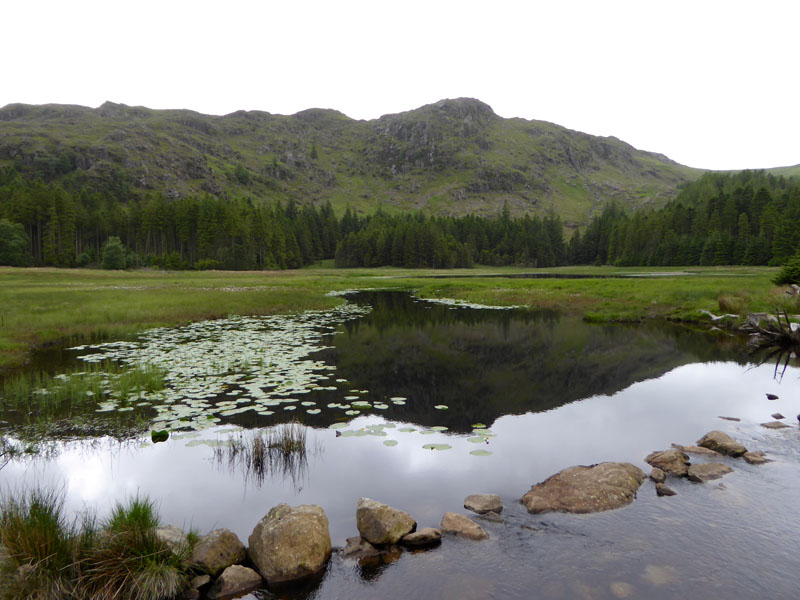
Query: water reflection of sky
x=195, y=490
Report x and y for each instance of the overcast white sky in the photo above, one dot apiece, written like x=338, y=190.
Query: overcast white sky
x=713, y=84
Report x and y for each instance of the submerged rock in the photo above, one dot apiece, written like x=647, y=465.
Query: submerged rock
x=775, y=425
x=658, y=475
x=736, y=419
x=463, y=526
x=290, y=543
x=422, y=538
x=696, y=450
x=381, y=524
x=707, y=471
x=664, y=490
x=777, y=415
x=235, y=581
x=722, y=443
x=756, y=457
x=359, y=549
x=483, y=503
x=672, y=461
x=219, y=549
x=584, y=489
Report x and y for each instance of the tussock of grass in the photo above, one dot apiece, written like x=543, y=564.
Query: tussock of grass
x=43, y=556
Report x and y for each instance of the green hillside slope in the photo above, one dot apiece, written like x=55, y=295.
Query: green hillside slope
x=449, y=158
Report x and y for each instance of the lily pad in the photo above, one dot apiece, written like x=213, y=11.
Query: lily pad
x=407, y=429
x=480, y=453
x=478, y=426
x=476, y=440
x=159, y=436
x=437, y=446
x=337, y=426
x=390, y=442
x=439, y=428
x=313, y=411
x=441, y=407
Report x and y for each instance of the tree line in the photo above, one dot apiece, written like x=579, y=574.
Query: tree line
x=749, y=217
x=743, y=218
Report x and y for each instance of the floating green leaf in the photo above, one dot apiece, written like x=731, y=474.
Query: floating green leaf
x=159, y=436
x=437, y=447
x=390, y=442
x=476, y=439
x=441, y=407
x=439, y=428
x=480, y=453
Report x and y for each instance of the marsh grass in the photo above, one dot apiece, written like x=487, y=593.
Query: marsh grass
x=281, y=451
x=38, y=404
x=44, y=556
x=36, y=546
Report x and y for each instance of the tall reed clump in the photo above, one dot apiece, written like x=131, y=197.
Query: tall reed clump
x=43, y=556
x=37, y=545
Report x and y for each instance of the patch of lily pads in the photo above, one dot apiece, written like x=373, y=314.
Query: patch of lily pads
x=225, y=367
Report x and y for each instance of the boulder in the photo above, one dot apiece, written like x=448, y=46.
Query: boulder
x=657, y=475
x=491, y=517
x=775, y=425
x=483, y=503
x=755, y=457
x=235, y=581
x=584, y=489
x=219, y=549
x=463, y=526
x=672, y=461
x=735, y=419
x=290, y=543
x=722, y=443
x=696, y=450
x=777, y=416
x=381, y=524
x=422, y=538
x=199, y=582
x=172, y=536
x=707, y=471
x=663, y=490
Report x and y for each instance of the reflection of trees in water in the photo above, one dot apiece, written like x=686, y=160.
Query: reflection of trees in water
x=783, y=358
x=281, y=452
x=484, y=363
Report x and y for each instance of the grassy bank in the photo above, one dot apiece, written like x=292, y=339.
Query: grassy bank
x=45, y=306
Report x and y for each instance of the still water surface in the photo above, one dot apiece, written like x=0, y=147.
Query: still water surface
x=553, y=392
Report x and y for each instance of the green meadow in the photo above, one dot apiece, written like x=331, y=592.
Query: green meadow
x=40, y=307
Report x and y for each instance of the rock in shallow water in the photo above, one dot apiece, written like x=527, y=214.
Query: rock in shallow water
x=755, y=457
x=423, y=538
x=775, y=425
x=381, y=524
x=672, y=461
x=657, y=475
x=463, y=526
x=721, y=442
x=696, y=450
x=707, y=471
x=664, y=490
x=235, y=581
x=483, y=503
x=219, y=549
x=290, y=543
x=583, y=489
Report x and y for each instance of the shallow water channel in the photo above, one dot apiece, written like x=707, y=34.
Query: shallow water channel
x=418, y=404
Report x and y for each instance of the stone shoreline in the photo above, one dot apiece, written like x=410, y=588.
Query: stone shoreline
x=292, y=545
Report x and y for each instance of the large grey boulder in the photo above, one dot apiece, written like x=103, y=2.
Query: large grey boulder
x=234, y=582
x=586, y=489
x=722, y=443
x=463, y=526
x=483, y=503
x=672, y=461
x=707, y=471
x=290, y=543
x=219, y=549
x=381, y=524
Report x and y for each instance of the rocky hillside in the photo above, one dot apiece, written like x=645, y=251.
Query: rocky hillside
x=451, y=157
